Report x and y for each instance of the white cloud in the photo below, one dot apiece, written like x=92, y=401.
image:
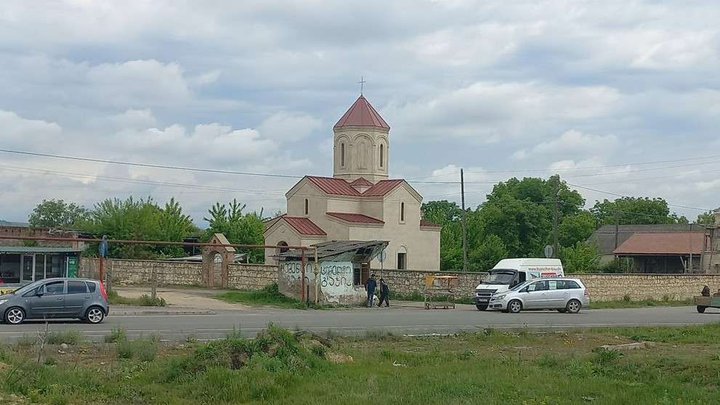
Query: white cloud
x=571, y=142
x=289, y=127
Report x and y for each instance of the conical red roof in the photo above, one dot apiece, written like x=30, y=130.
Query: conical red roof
x=362, y=114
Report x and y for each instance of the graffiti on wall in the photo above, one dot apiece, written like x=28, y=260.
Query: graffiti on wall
x=335, y=278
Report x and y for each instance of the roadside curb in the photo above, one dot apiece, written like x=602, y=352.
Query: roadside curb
x=160, y=313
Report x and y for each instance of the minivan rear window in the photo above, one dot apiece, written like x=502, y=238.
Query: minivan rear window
x=91, y=287
x=76, y=287
x=570, y=285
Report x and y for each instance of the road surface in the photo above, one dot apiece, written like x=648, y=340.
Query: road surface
x=359, y=321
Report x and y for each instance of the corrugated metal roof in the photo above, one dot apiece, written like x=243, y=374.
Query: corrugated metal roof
x=382, y=187
x=334, y=186
x=604, y=238
x=37, y=249
x=662, y=244
x=362, y=114
x=304, y=226
x=355, y=218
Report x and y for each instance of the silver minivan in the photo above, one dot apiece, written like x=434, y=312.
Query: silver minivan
x=562, y=294
x=56, y=298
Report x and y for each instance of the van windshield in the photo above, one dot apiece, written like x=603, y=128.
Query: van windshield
x=504, y=277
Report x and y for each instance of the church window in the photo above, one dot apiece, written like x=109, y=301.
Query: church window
x=382, y=154
x=282, y=246
x=307, y=206
x=402, y=212
x=342, y=155
x=402, y=261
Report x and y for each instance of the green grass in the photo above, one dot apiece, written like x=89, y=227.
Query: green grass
x=268, y=296
x=69, y=337
x=142, y=301
x=639, y=304
x=282, y=367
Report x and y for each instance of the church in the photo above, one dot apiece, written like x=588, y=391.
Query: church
x=360, y=202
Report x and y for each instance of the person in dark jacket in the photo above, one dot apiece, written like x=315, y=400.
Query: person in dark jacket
x=370, y=286
x=384, y=293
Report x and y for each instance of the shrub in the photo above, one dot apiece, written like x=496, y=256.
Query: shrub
x=69, y=337
x=116, y=335
x=143, y=350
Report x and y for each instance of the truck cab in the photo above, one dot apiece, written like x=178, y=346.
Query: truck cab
x=508, y=273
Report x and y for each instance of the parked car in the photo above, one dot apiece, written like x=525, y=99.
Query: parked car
x=56, y=298
x=562, y=294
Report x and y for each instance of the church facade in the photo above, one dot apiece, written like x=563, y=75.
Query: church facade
x=360, y=202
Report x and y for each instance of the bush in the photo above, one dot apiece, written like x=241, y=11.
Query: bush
x=143, y=350
x=116, y=335
x=69, y=337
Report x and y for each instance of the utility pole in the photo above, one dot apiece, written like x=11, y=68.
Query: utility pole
x=464, y=224
x=556, y=245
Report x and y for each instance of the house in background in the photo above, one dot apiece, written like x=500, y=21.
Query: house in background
x=23, y=261
x=665, y=248
x=360, y=202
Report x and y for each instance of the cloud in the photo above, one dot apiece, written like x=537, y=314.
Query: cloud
x=571, y=142
x=290, y=127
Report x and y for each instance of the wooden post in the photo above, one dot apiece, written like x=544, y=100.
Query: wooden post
x=303, y=261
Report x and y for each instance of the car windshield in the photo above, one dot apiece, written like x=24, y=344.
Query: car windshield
x=504, y=277
x=22, y=290
x=519, y=286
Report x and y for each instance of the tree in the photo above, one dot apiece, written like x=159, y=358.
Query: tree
x=141, y=219
x=706, y=218
x=576, y=228
x=238, y=228
x=57, y=214
x=634, y=211
x=581, y=258
x=448, y=215
x=485, y=256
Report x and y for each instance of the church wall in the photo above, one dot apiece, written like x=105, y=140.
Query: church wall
x=317, y=202
x=281, y=232
x=362, y=154
x=344, y=205
x=372, y=208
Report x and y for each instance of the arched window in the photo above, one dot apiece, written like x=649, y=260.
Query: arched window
x=342, y=155
x=402, y=212
x=282, y=247
x=307, y=206
x=382, y=154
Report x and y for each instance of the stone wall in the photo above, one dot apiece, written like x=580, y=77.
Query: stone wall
x=602, y=287
x=140, y=272
x=251, y=276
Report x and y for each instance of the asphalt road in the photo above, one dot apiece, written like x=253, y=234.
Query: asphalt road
x=359, y=321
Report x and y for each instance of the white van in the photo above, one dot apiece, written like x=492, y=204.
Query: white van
x=508, y=273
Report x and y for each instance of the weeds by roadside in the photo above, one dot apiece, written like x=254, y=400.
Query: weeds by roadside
x=142, y=301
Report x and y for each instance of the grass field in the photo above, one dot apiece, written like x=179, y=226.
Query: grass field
x=141, y=301
x=268, y=296
x=283, y=367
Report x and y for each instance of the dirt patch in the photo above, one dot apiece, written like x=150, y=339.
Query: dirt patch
x=184, y=298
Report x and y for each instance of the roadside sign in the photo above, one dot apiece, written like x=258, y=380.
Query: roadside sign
x=549, y=251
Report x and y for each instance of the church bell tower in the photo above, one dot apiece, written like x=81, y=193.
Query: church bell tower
x=361, y=144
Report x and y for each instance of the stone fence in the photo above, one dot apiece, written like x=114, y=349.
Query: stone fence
x=173, y=273
x=602, y=287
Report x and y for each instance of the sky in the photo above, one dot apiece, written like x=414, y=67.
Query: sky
x=620, y=98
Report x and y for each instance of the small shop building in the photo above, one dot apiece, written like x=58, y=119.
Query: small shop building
x=25, y=264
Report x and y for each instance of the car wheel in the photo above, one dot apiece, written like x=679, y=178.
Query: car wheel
x=481, y=307
x=573, y=306
x=14, y=316
x=701, y=309
x=94, y=315
x=562, y=311
x=514, y=306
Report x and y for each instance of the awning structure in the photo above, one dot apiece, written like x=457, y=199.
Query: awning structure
x=36, y=249
x=339, y=251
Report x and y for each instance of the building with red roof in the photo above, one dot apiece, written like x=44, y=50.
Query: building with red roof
x=360, y=202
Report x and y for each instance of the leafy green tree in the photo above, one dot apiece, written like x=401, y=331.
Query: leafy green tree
x=580, y=258
x=448, y=215
x=57, y=214
x=143, y=220
x=238, y=228
x=634, y=211
x=576, y=228
x=706, y=218
x=486, y=255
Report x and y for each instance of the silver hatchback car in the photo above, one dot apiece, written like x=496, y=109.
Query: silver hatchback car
x=56, y=298
x=562, y=294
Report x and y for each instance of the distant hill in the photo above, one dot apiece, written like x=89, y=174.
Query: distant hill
x=8, y=223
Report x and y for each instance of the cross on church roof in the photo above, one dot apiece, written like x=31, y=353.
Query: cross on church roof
x=362, y=84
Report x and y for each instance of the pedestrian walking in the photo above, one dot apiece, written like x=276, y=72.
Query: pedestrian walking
x=370, y=286
x=384, y=293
